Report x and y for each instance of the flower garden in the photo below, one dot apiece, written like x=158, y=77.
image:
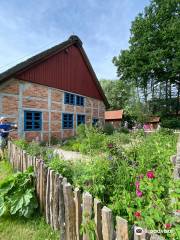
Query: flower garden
x=129, y=172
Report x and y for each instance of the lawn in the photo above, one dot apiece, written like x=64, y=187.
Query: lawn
x=19, y=228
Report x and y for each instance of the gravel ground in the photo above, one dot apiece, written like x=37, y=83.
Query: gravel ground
x=70, y=155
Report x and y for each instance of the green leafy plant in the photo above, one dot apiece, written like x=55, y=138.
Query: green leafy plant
x=63, y=167
x=108, y=128
x=17, y=194
x=88, y=227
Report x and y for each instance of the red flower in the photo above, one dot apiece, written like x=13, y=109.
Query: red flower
x=178, y=211
x=167, y=225
x=139, y=193
x=150, y=174
x=137, y=214
x=110, y=145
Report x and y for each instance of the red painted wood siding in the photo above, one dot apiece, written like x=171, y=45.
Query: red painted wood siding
x=67, y=71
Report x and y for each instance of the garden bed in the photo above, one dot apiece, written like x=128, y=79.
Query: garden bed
x=131, y=173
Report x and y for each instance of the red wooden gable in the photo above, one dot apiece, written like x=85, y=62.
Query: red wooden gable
x=66, y=70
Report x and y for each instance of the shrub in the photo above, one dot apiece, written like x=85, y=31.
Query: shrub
x=93, y=176
x=108, y=128
x=55, y=141
x=22, y=143
x=123, y=130
x=172, y=123
x=63, y=167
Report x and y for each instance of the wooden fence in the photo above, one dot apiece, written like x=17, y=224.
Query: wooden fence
x=66, y=210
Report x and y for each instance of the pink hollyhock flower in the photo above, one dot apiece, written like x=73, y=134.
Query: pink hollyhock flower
x=150, y=174
x=178, y=211
x=167, y=225
x=139, y=193
x=137, y=184
x=137, y=214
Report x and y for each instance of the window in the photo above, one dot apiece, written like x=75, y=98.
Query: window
x=80, y=119
x=67, y=121
x=95, y=121
x=79, y=100
x=32, y=121
x=69, y=98
x=73, y=99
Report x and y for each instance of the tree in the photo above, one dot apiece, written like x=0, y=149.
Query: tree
x=122, y=95
x=117, y=93
x=152, y=61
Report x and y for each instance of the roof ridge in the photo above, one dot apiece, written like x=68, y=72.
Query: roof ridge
x=23, y=66
x=35, y=58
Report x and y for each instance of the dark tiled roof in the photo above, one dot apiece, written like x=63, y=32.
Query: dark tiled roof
x=154, y=119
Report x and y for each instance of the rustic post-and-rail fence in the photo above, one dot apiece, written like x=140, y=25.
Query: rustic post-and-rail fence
x=64, y=209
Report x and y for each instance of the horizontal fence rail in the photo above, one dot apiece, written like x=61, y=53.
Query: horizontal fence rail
x=67, y=210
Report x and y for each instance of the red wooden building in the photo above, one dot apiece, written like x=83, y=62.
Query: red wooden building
x=50, y=94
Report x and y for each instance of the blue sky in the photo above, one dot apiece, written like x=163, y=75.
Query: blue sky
x=29, y=27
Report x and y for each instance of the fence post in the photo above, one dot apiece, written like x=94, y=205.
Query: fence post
x=45, y=172
x=51, y=195
x=61, y=210
x=56, y=202
x=47, y=197
x=121, y=229
x=41, y=183
x=98, y=218
x=9, y=150
x=70, y=218
x=38, y=181
x=139, y=233
x=77, y=197
x=87, y=211
x=19, y=158
x=107, y=224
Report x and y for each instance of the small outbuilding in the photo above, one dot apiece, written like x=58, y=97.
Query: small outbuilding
x=114, y=117
x=152, y=123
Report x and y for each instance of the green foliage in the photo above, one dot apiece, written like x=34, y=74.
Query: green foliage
x=18, y=228
x=117, y=92
x=123, y=130
x=17, y=194
x=152, y=61
x=88, y=227
x=22, y=143
x=89, y=140
x=172, y=123
x=116, y=163
x=108, y=128
x=93, y=176
x=33, y=148
x=61, y=166
x=55, y=141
